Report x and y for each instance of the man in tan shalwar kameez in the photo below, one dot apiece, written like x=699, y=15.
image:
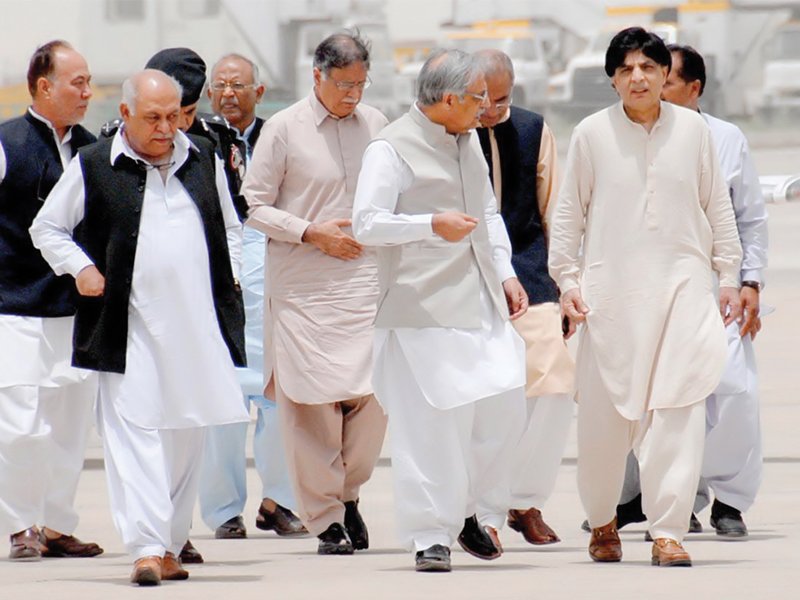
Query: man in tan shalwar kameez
x=645, y=197
x=323, y=289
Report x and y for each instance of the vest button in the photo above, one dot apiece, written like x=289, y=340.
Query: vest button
x=133, y=234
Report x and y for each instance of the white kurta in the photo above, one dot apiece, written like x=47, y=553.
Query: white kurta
x=479, y=363
x=179, y=372
x=35, y=350
x=654, y=216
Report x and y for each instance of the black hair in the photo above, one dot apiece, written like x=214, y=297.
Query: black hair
x=341, y=50
x=693, y=67
x=632, y=39
x=43, y=63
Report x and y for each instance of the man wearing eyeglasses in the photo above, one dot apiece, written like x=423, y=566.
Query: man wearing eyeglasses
x=323, y=288
x=449, y=367
x=520, y=150
x=234, y=90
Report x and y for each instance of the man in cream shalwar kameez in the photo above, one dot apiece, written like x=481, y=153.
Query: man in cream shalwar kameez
x=449, y=367
x=172, y=374
x=323, y=288
x=644, y=194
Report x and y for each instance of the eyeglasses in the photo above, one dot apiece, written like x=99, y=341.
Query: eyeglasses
x=479, y=97
x=346, y=86
x=236, y=87
x=501, y=106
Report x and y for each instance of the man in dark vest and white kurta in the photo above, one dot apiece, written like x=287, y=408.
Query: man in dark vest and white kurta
x=154, y=256
x=45, y=404
x=521, y=153
x=448, y=366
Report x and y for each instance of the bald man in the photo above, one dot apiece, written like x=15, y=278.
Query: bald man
x=160, y=313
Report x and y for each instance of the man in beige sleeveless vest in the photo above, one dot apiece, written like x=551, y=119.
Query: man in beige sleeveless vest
x=449, y=368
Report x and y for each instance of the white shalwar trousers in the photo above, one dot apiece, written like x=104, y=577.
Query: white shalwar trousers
x=43, y=432
x=152, y=475
x=733, y=460
x=668, y=443
x=538, y=456
x=448, y=464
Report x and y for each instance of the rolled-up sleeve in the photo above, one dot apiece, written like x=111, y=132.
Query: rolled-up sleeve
x=51, y=231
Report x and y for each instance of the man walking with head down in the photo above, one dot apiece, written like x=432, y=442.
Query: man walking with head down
x=160, y=315
x=644, y=196
x=449, y=367
x=323, y=287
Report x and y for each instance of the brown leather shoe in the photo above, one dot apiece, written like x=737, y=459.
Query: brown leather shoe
x=147, y=571
x=605, y=545
x=532, y=526
x=190, y=554
x=669, y=553
x=25, y=545
x=171, y=568
x=68, y=546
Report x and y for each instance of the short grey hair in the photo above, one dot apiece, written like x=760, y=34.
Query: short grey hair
x=341, y=50
x=494, y=62
x=130, y=88
x=253, y=66
x=447, y=71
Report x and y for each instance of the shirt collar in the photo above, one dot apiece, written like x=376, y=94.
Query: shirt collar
x=245, y=135
x=180, y=152
x=435, y=129
x=38, y=117
x=665, y=115
x=320, y=112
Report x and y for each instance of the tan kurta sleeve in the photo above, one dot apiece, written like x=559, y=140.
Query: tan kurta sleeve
x=262, y=185
x=547, y=177
x=568, y=217
x=726, y=253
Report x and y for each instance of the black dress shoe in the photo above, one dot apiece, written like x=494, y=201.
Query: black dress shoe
x=476, y=541
x=355, y=526
x=232, y=529
x=695, y=526
x=433, y=559
x=630, y=512
x=334, y=540
x=727, y=520
x=282, y=521
x=190, y=554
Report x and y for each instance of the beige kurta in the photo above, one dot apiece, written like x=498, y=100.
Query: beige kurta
x=654, y=216
x=549, y=366
x=318, y=321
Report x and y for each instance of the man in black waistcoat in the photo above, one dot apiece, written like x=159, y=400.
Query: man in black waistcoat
x=234, y=90
x=45, y=404
x=521, y=152
x=145, y=223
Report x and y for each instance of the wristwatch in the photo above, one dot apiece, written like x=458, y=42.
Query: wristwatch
x=752, y=284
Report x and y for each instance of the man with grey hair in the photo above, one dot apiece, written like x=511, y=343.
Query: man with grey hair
x=323, y=287
x=235, y=90
x=448, y=366
x=146, y=225
x=521, y=152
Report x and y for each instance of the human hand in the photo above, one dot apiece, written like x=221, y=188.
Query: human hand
x=751, y=322
x=574, y=309
x=329, y=237
x=516, y=297
x=453, y=226
x=90, y=282
x=730, y=306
